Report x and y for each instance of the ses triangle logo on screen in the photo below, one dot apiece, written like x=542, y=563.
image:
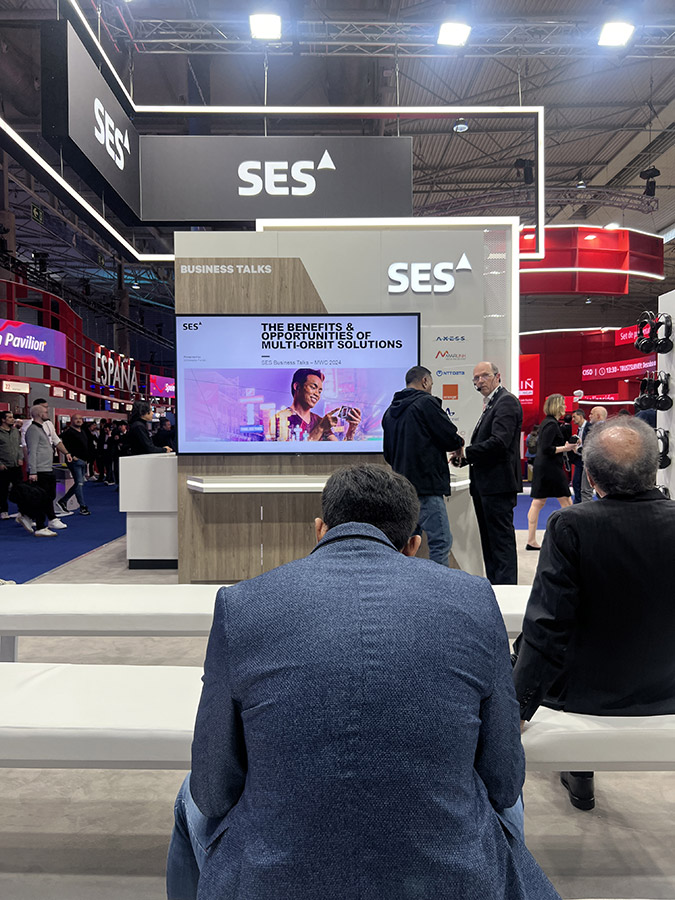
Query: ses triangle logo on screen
x=272, y=177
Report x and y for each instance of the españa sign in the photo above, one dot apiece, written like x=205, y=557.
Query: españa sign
x=20, y=342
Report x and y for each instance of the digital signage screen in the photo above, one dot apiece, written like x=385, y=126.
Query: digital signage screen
x=289, y=384
x=21, y=342
x=162, y=387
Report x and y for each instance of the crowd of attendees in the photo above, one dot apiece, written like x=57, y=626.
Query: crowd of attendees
x=92, y=450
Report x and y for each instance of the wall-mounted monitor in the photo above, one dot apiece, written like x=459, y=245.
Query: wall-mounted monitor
x=289, y=384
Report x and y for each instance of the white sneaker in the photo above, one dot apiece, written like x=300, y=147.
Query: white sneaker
x=61, y=513
x=4, y=581
x=45, y=532
x=27, y=523
x=4, y=515
x=56, y=524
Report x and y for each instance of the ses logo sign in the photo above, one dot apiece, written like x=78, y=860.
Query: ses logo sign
x=272, y=177
x=425, y=277
x=109, y=135
x=20, y=342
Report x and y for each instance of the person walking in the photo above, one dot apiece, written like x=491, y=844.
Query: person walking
x=11, y=459
x=549, y=479
x=77, y=443
x=41, y=465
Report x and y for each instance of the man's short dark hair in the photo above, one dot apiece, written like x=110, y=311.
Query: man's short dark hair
x=374, y=495
x=300, y=376
x=4, y=414
x=417, y=373
x=622, y=455
x=139, y=409
x=40, y=401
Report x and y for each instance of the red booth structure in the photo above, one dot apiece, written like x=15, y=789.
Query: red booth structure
x=601, y=362
x=581, y=259
x=77, y=380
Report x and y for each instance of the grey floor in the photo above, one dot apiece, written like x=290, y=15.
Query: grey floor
x=103, y=835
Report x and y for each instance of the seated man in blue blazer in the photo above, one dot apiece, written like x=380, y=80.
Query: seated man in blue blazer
x=358, y=732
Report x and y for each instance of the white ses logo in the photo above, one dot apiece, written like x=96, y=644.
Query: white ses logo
x=425, y=277
x=111, y=137
x=273, y=177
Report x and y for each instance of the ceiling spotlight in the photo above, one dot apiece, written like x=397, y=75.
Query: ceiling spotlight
x=529, y=237
x=590, y=237
x=136, y=286
x=613, y=226
x=527, y=168
x=615, y=34
x=460, y=126
x=453, y=34
x=581, y=184
x=265, y=27
x=588, y=300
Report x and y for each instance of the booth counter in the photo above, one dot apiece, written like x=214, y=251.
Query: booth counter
x=251, y=540
x=148, y=495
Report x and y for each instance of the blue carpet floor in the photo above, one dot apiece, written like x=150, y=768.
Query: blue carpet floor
x=522, y=506
x=23, y=556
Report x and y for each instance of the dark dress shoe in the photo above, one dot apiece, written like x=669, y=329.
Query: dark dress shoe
x=530, y=547
x=580, y=788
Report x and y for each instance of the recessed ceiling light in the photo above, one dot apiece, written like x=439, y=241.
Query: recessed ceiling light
x=453, y=34
x=460, y=126
x=265, y=27
x=613, y=226
x=528, y=237
x=615, y=34
x=590, y=237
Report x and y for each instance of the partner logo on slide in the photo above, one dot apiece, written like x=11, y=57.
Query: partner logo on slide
x=279, y=178
x=446, y=354
x=107, y=134
x=425, y=277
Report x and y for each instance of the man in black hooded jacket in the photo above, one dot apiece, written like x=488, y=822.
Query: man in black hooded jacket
x=418, y=435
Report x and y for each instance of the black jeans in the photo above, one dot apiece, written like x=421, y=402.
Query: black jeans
x=47, y=481
x=9, y=476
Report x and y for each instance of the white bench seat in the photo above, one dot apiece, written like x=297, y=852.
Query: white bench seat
x=142, y=717
x=96, y=610
x=141, y=610
x=97, y=717
x=562, y=742
x=512, y=600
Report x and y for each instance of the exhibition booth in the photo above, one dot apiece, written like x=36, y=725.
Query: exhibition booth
x=361, y=301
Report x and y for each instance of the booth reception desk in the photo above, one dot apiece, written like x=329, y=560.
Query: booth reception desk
x=148, y=495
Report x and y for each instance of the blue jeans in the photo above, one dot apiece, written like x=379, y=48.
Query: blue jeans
x=78, y=469
x=434, y=520
x=187, y=850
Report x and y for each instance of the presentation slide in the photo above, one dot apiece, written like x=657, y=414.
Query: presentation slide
x=289, y=384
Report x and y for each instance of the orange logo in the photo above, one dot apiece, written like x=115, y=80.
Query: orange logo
x=451, y=392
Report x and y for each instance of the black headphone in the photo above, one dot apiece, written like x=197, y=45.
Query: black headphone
x=664, y=490
x=647, y=397
x=663, y=437
x=662, y=344
x=646, y=343
x=663, y=400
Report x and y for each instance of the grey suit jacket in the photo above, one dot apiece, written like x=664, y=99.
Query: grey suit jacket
x=357, y=729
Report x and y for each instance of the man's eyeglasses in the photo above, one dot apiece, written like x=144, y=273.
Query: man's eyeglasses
x=478, y=378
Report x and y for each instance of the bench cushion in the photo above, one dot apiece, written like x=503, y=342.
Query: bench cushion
x=559, y=741
x=72, y=716
x=512, y=600
x=100, y=609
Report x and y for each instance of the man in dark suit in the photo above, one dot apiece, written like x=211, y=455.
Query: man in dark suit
x=496, y=479
x=599, y=627
x=579, y=420
x=357, y=736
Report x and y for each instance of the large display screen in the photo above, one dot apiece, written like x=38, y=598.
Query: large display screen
x=289, y=384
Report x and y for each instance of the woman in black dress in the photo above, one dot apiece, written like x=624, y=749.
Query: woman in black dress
x=549, y=477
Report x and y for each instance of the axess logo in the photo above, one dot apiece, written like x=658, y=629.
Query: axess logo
x=279, y=178
x=107, y=133
x=425, y=277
